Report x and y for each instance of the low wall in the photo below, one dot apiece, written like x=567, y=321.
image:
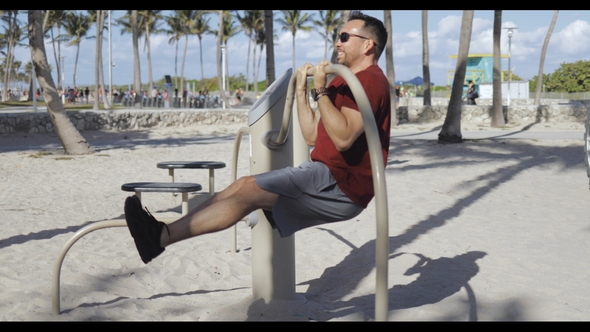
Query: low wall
x=137, y=119
x=482, y=113
x=121, y=120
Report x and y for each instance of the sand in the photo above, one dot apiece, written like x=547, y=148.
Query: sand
x=491, y=229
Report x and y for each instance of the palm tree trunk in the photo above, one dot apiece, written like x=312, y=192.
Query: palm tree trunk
x=219, y=64
x=542, y=62
x=9, y=59
x=97, y=58
x=389, y=66
x=451, y=129
x=136, y=69
x=255, y=71
x=76, y=63
x=497, y=113
x=294, y=68
x=201, y=58
x=176, y=66
x=181, y=88
x=248, y=62
x=425, y=59
x=149, y=56
x=105, y=99
x=57, y=65
x=270, y=53
x=70, y=137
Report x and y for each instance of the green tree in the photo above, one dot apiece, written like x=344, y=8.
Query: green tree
x=294, y=21
x=570, y=77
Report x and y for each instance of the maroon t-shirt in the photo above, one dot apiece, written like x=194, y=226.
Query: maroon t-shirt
x=352, y=168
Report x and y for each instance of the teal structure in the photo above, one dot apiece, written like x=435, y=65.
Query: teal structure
x=480, y=69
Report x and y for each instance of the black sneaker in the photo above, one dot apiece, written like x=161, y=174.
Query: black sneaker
x=144, y=229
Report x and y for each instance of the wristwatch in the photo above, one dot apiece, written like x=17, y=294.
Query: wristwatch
x=316, y=93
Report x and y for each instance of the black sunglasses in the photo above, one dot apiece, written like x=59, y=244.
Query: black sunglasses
x=345, y=35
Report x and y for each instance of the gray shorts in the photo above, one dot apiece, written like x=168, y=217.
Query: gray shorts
x=308, y=196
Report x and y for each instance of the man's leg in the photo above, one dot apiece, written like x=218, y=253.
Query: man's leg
x=220, y=211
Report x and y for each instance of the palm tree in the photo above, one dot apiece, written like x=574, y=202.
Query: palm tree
x=136, y=66
x=175, y=31
x=187, y=20
x=251, y=23
x=222, y=13
x=182, y=23
x=149, y=20
x=294, y=21
x=329, y=23
x=389, y=65
x=71, y=139
x=425, y=61
x=542, y=62
x=270, y=53
x=229, y=30
x=497, y=113
x=99, y=16
x=260, y=40
x=13, y=35
x=451, y=129
x=200, y=28
x=55, y=19
x=76, y=26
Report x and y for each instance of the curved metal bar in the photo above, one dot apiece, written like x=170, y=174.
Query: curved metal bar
x=234, y=171
x=377, y=168
x=66, y=247
x=55, y=279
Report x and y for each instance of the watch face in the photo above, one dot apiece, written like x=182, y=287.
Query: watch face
x=314, y=94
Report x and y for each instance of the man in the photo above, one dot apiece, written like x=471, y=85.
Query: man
x=336, y=185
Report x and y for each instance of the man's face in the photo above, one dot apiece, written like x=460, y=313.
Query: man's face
x=351, y=50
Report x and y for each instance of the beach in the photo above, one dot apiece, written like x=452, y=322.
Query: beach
x=492, y=229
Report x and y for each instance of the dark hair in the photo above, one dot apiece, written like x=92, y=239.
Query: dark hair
x=373, y=26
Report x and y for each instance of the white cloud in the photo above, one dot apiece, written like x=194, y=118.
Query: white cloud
x=573, y=39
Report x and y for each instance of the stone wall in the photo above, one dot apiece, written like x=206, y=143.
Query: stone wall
x=482, y=113
x=136, y=119
x=121, y=120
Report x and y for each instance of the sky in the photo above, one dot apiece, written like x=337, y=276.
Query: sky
x=570, y=42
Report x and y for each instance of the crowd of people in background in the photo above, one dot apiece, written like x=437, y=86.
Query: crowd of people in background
x=154, y=98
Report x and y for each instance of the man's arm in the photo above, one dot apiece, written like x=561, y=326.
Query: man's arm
x=307, y=117
x=343, y=125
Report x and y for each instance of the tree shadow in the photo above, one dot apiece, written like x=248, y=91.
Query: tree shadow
x=337, y=281
x=107, y=140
